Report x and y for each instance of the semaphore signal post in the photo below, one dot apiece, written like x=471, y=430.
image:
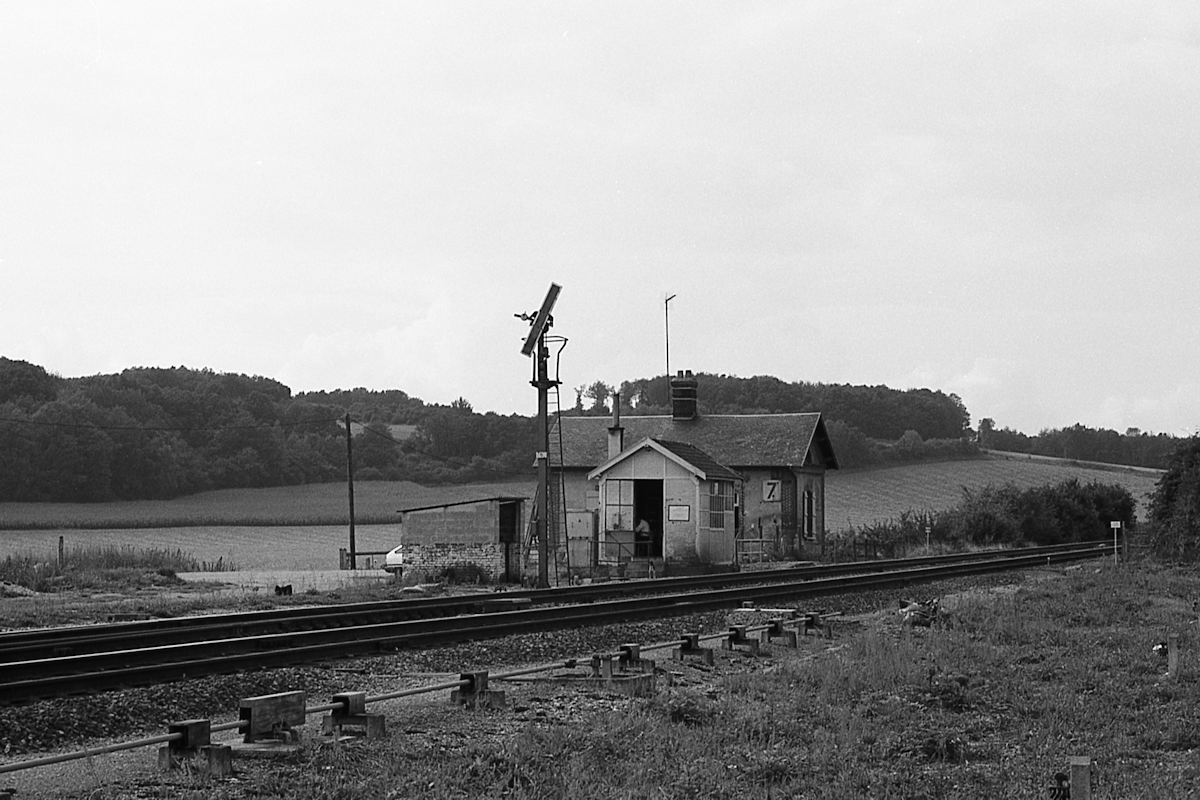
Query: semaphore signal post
x=535, y=344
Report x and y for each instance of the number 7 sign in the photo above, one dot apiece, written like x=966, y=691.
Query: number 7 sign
x=771, y=491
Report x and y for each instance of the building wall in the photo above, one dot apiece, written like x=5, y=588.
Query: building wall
x=469, y=523
x=437, y=538
x=761, y=518
x=764, y=518
x=679, y=488
x=813, y=480
x=714, y=545
x=682, y=539
x=431, y=558
x=680, y=544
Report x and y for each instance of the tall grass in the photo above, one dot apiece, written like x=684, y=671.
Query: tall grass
x=96, y=565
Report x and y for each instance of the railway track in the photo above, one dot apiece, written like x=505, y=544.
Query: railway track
x=44, y=643
x=63, y=661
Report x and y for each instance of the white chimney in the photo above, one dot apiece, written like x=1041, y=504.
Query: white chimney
x=616, y=434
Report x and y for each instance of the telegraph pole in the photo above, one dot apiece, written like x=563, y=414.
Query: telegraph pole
x=350, y=489
x=667, y=326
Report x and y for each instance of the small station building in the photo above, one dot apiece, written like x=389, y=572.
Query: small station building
x=665, y=500
x=709, y=488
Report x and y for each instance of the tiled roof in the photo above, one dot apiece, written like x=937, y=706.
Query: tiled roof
x=700, y=460
x=738, y=440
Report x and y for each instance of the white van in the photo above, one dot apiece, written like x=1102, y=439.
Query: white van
x=393, y=562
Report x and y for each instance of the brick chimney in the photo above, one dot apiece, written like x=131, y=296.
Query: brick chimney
x=683, y=395
x=616, y=434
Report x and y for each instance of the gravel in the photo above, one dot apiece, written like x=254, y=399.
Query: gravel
x=73, y=721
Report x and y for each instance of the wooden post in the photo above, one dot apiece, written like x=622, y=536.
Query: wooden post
x=1173, y=655
x=350, y=488
x=62, y=560
x=272, y=716
x=1081, y=778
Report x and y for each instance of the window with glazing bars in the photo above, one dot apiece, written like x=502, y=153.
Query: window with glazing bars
x=618, y=504
x=719, y=504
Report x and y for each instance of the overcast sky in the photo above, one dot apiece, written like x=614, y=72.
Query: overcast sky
x=998, y=200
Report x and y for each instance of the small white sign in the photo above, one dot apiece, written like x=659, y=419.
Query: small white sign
x=1115, y=524
x=679, y=513
x=772, y=491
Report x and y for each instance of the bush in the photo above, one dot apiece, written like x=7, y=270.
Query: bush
x=993, y=516
x=1067, y=511
x=91, y=566
x=1175, y=506
x=465, y=572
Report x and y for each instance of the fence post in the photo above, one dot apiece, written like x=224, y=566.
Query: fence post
x=62, y=560
x=1081, y=778
x=1173, y=655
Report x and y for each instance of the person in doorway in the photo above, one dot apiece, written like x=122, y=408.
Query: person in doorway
x=641, y=539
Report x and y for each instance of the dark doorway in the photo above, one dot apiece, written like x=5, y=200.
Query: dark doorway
x=648, y=506
x=510, y=527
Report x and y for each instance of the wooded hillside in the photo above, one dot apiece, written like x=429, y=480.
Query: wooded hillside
x=165, y=432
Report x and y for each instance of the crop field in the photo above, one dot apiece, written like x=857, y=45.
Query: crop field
x=302, y=527
x=860, y=497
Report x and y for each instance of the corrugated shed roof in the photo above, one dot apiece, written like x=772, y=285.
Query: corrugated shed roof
x=463, y=502
x=739, y=440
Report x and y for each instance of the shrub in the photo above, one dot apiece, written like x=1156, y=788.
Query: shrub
x=1175, y=506
x=92, y=566
x=465, y=572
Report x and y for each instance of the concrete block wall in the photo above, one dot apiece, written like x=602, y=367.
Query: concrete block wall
x=469, y=523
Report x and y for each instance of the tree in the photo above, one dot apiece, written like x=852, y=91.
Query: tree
x=20, y=379
x=987, y=426
x=598, y=393
x=1175, y=505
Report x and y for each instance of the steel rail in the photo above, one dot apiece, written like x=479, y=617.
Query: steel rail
x=50, y=642
x=24, y=680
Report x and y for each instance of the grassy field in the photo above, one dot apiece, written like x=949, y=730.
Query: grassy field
x=859, y=497
x=375, y=502
x=218, y=547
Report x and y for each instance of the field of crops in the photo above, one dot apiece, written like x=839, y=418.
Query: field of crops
x=859, y=497
x=302, y=527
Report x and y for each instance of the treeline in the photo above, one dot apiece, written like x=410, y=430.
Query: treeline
x=868, y=425
x=1133, y=448
x=150, y=433
x=876, y=411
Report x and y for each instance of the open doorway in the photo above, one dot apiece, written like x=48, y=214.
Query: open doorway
x=510, y=537
x=648, y=506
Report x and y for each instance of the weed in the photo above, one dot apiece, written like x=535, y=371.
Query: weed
x=465, y=572
x=97, y=566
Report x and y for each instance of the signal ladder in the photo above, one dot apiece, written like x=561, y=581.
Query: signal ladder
x=555, y=507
